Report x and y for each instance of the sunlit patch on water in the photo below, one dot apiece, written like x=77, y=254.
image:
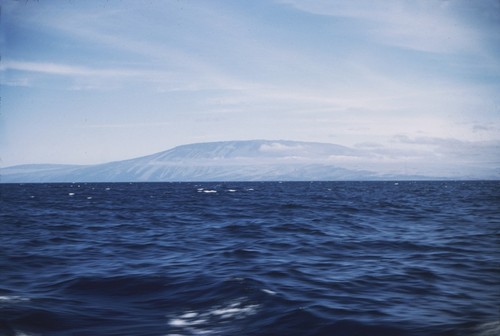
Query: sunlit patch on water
x=487, y=329
x=206, y=322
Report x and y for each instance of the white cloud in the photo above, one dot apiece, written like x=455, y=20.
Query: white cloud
x=280, y=148
x=63, y=69
x=20, y=81
x=455, y=149
x=94, y=78
x=167, y=54
x=134, y=125
x=419, y=25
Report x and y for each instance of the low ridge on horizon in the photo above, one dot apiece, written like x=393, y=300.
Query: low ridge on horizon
x=252, y=143
x=237, y=160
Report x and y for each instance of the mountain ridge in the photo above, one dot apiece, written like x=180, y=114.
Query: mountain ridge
x=242, y=160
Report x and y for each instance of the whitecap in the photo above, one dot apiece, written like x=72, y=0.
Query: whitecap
x=12, y=298
x=195, y=323
x=178, y=322
x=22, y=333
x=71, y=194
x=234, y=309
x=189, y=315
x=231, y=190
x=268, y=291
x=209, y=191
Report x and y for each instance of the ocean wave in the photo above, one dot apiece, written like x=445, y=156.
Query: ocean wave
x=325, y=258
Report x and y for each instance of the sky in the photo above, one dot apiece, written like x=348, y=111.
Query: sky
x=413, y=84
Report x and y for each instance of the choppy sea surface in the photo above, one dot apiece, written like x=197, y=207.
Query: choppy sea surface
x=260, y=258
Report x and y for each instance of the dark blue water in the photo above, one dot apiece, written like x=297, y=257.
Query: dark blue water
x=321, y=258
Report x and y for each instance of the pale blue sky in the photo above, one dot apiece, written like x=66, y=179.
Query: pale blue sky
x=96, y=81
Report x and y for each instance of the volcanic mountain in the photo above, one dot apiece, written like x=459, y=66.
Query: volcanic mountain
x=252, y=160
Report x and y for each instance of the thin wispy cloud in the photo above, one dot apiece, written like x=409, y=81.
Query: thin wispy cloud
x=133, y=125
x=419, y=25
x=64, y=69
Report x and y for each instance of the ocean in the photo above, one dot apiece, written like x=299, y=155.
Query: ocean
x=252, y=258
